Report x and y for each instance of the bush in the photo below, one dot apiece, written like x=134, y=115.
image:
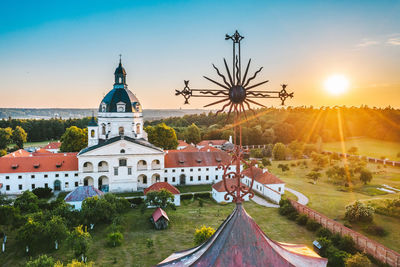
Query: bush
x=301, y=219
x=284, y=201
x=312, y=225
x=323, y=232
x=346, y=243
x=325, y=244
x=203, y=234
x=200, y=202
x=376, y=230
x=42, y=192
x=41, y=261
x=293, y=215
x=336, y=257
x=136, y=200
x=186, y=196
x=359, y=212
x=115, y=239
x=286, y=209
x=284, y=167
x=358, y=260
x=204, y=195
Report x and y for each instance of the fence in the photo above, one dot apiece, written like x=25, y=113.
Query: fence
x=363, y=243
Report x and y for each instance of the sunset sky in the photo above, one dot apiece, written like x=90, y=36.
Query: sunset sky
x=64, y=53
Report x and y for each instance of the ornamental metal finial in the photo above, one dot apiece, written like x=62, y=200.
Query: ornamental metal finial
x=236, y=93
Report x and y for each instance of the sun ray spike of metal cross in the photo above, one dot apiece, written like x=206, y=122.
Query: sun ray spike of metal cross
x=236, y=91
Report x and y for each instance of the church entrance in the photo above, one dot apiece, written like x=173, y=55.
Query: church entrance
x=57, y=185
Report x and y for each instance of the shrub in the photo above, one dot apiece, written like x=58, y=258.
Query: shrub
x=201, y=235
x=284, y=201
x=376, y=230
x=286, y=209
x=365, y=176
x=336, y=257
x=312, y=225
x=137, y=201
x=301, y=219
x=204, y=195
x=149, y=243
x=200, y=202
x=346, y=243
x=42, y=192
x=323, y=232
x=115, y=239
x=325, y=244
x=293, y=215
x=186, y=196
x=359, y=212
x=41, y=261
x=358, y=260
x=283, y=167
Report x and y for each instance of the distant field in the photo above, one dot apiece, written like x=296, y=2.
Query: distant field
x=367, y=147
x=35, y=144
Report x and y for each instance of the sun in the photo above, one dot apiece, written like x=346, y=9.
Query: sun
x=336, y=84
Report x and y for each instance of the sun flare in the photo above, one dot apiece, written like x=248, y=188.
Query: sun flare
x=336, y=84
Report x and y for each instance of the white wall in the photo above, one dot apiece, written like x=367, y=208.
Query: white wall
x=76, y=204
x=220, y=196
x=271, y=191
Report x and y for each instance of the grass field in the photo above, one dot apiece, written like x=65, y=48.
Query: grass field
x=329, y=200
x=367, y=147
x=35, y=144
x=179, y=236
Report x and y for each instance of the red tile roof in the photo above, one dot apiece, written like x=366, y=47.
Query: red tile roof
x=177, y=159
x=158, y=213
x=40, y=163
x=18, y=153
x=212, y=142
x=182, y=143
x=42, y=151
x=220, y=187
x=162, y=185
x=208, y=148
x=53, y=145
x=263, y=178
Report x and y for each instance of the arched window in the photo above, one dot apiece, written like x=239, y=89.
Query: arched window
x=92, y=133
x=121, y=130
x=103, y=129
x=138, y=128
x=122, y=151
x=145, y=179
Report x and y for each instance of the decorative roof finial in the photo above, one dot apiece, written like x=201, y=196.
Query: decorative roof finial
x=120, y=56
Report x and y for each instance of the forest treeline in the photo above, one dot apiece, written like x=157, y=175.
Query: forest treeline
x=271, y=125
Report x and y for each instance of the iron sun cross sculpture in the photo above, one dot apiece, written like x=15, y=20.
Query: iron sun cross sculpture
x=236, y=92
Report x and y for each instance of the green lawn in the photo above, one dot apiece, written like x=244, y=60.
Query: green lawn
x=329, y=200
x=35, y=144
x=179, y=236
x=367, y=147
x=194, y=188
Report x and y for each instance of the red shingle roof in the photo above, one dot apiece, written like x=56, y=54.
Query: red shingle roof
x=40, y=163
x=18, y=153
x=162, y=185
x=158, y=213
x=53, y=145
x=212, y=142
x=182, y=143
x=219, y=187
x=41, y=151
x=208, y=148
x=177, y=159
x=263, y=178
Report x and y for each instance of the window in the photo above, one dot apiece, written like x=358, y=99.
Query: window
x=66, y=175
x=173, y=170
x=216, y=169
x=199, y=178
x=122, y=162
x=165, y=179
x=121, y=130
x=182, y=170
x=46, y=185
x=129, y=171
x=138, y=128
x=122, y=151
x=76, y=174
x=199, y=169
x=206, y=169
x=103, y=129
x=92, y=133
x=173, y=179
x=191, y=170
x=57, y=175
x=166, y=171
x=45, y=176
x=216, y=177
x=19, y=176
x=7, y=177
x=33, y=176
x=33, y=186
x=115, y=171
x=145, y=179
x=207, y=177
x=279, y=189
x=76, y=184
x=7, y=187
x=20, y=187
x=229, y=168
x=191, y=178
x=66, y=184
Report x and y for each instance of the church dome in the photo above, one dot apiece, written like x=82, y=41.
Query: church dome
x=120, y=98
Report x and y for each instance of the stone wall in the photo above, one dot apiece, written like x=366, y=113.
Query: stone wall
x=363, y=243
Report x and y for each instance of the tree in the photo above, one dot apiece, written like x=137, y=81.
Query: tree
x=162, y=199
x=314, y=176
x=28, y=202
x=268, y=136
x=353, y=150
x=5, y=137
x=30, y=234
x=162, y=136
x=358, y=260
x=359, y=212
x=201, y=235
x=279, y=151
x=98, y=209
x=365, y=176
x=41, y=261
x=79, y=240
x=74, y=139
x=19, y=137
x=56, y=230
x=192, y=134
x=115, y=239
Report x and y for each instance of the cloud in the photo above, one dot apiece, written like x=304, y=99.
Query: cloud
x=393, y=41
x=367, y=42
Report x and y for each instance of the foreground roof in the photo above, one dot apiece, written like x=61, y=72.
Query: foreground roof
x=212, y=142
x=158, y=213
x=53, y=145
x=220, y=187
x=83, y=192
x=162, y=185
x=262, y=177
x=179, y=158
x=239, y=241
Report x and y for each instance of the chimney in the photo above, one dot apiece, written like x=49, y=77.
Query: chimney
x=265, y=170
